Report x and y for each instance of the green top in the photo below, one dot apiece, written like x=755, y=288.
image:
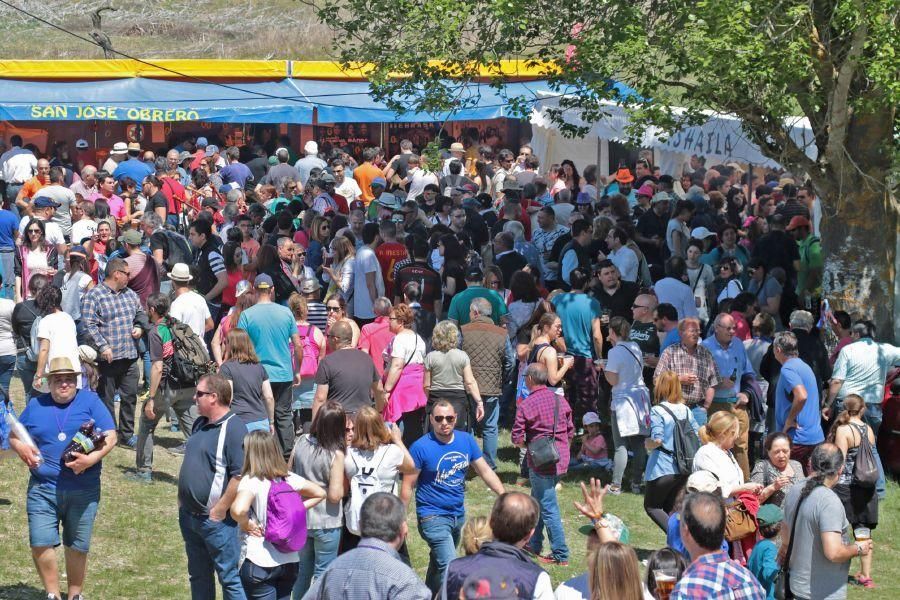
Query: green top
x=459, y=306
x=810, y=260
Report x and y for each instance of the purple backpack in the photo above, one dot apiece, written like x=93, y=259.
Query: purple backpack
x=285, y=518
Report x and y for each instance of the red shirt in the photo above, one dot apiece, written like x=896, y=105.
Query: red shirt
x=174, y=193
x=389, y=254
x=374, y=338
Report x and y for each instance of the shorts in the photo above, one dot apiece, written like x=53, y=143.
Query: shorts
x=48, y=506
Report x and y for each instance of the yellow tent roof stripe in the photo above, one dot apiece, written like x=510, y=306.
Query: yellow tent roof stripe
x=232, y=69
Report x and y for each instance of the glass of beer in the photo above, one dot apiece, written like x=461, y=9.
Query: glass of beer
x=862, y=534
x=665, y=582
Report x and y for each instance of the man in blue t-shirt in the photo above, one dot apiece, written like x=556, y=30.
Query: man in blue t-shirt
x=9, y=231
x=442, y=458
x=272, y=329
x=796, y=399
x=67, y=493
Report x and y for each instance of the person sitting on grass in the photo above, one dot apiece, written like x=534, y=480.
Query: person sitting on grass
x=475, y=532
x=593, y=451
x=763, y=561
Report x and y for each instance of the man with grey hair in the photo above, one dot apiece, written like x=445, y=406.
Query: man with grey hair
x=235, y=171
x=796, y=400
x=492, y=358
x=374, y=568
x=810, y=346
x=87, y=186
x=506, y=258
x=732, y=365
x=543, y=414
x=281, y=172
x=374, y=337
x=57, y=191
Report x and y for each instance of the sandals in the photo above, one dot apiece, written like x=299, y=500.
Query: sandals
x=865, y=582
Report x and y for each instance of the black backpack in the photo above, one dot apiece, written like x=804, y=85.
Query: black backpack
x=685, y=444
x=179, y=250
x=190, y=359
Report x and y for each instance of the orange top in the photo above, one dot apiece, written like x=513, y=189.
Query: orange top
x=31, y=187
x=364, y=174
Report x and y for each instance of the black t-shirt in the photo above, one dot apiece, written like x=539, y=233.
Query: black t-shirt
x=619, y=303
x=778, y=249
x=649, y=225
x=158, y=200
x=401, y=165
x=644, y=334
x=159, y=241
x=246, y=380
x=428, y=279
x=349, y=375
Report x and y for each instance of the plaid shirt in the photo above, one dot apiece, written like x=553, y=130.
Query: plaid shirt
x=677, y=358
x=534, y=419
x=110, y=316
x=714, y=576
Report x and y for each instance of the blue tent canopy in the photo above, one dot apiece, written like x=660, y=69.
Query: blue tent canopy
x=284, y=101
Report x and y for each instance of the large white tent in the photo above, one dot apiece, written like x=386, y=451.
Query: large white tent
x=720, y=139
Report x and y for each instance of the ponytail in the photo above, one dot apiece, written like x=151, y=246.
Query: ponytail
x=854, y=406
x=825, y=462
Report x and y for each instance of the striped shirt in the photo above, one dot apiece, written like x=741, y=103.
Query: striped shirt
x=715, y=576
x=863, y=367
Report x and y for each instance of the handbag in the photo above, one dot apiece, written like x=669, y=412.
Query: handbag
x=543, y=450
x=783, y=577
x=739, y=522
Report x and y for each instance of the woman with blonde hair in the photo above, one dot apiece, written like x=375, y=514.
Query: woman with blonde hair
x=614, y=573
x=266, y=571
x=449, y=376
x=475, y=532
x=662, y=475
x=338, y=269
x=251, y=393
x=718, y=437
x=404, y=375
x=313, y=341
x=374, y=461
x=860, y=502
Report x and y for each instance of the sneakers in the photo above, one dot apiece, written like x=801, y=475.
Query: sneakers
x=549, y=560
x=53, y=597
x=177, y=450
x=130, y=443
x=174, y=428
x=139, y=476
x=614, y=490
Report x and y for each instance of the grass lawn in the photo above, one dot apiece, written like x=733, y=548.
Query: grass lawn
x=137, y=550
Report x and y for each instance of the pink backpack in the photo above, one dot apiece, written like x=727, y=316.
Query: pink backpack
x=285, y=517
x=310, y=352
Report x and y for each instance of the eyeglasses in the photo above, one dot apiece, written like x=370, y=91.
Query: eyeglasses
x=34, y=231
x=443, y=418
x=724, y=268
x=125, y=273
x=301, y=253
x=324, y=227
x=333, y=308
x=639, y=306
x=200, y=393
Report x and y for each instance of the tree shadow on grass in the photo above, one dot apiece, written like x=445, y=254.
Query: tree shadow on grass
x=5, y=502
x=158, y=477
x=21, y=591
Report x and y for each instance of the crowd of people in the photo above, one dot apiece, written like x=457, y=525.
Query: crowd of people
x=334, y=338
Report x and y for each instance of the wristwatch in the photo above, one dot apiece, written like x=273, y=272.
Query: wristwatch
x=601, y=522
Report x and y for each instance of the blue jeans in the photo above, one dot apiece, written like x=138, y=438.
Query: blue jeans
x=699, y=414
x=489, y=430
x=48, y=507
x=268, y=583
x=26, y=369
x=543, y=489
x=7, y=267
x=7, y=366
x=441, y=533
x=320, y=549
x=211, y=546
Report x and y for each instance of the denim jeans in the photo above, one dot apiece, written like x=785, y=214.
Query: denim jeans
x=543, y=489
x=211, y=546
x=489, y=430
x=49, y=507
x=699, y=414
x=320, y=549
x=7, y=267
x=7, y=367
x=26, y=369
x=441, y=533
x=268, y=583
x=182, y=401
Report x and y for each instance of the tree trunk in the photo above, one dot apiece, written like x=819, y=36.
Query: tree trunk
x=859, y=225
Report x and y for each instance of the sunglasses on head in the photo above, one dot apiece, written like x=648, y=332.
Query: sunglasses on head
x=442, y=418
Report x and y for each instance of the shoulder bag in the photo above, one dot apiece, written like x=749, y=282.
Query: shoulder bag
x=783, y=577
x=543, y=450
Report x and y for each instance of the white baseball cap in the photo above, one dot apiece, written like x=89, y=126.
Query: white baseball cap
x=701, y=233
x=81, y=144
x=590, y=418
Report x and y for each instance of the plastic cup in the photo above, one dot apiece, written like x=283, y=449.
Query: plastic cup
x=862, y=534
x=665, y=582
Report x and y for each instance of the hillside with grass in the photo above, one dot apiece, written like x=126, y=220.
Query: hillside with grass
x=260, y=29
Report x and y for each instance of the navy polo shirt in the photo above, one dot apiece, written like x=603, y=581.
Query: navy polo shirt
x=203, y=479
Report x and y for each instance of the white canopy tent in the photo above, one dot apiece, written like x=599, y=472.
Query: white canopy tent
x=720, y=139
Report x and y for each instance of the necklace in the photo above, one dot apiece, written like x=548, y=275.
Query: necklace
x=62, y=435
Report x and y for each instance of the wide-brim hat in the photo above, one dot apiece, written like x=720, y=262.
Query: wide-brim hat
x=180, y=272
x=62, y=365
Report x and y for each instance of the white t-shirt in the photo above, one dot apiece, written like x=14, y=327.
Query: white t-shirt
x=365, y=262
x=191, y=309
x=630, y=397
x=257, y=549
x=83, y=228
x=59, y=329
x=349, y=189
x=52, y=232
x=408, y=344
x=65, y=198
x=385, y=461
x=626, y=261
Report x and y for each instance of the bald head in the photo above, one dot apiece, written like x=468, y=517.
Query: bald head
x=342, y=333
x=703, y=516
x=514, y=518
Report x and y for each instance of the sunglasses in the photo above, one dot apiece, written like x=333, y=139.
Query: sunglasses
x=34, y=231
x=443, y=418
x=201, y=393
x=301, y=253
x=333, y=308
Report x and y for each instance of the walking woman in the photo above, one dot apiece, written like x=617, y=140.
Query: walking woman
x=338, y=268
x=448, y=376
x=252, y=398
x=313, y=341
x=267, y=572
x=404, y=376
x=34, y=255
x=630, y=410
x=663, y=478
x=318, y=457
x=860, y=501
